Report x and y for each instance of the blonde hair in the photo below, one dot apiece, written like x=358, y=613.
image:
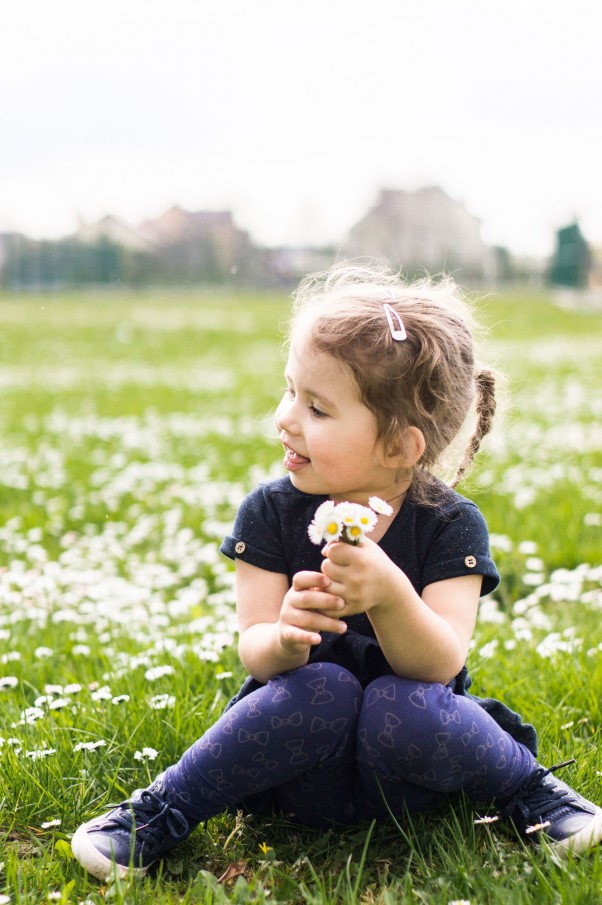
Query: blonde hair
x=428, y=380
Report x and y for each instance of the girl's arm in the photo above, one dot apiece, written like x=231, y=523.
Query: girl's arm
x=279, y=624
x=424, y=638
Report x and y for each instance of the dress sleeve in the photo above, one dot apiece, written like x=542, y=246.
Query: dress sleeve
x=256, y=537
x=460, y=546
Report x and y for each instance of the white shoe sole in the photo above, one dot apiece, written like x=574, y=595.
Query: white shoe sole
x=95, y=862
x=587, y=838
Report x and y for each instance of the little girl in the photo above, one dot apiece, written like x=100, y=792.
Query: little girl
x=356, y=702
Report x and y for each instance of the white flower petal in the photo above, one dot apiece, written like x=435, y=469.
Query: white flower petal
x=380, y=506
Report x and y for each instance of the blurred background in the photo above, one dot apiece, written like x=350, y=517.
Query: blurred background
x=167, y=171
x=227, y=141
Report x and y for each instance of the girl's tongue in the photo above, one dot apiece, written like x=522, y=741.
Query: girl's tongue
x=294, y=459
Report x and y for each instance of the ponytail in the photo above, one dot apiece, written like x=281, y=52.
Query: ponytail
x=485, y=383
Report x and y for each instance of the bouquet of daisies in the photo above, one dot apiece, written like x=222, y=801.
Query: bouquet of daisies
x=347, y=522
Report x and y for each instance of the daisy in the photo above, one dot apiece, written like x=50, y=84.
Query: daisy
x=89, y=746
x=348, y=522
x=537, y=827
x=326, y=525
x=357, y=521
x=120, y=699
x=380, y=506
x=146, y=754
x=162, y=701
x=156, y=672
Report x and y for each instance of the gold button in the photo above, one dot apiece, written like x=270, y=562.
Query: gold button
x=470, y=562
x=240, y=547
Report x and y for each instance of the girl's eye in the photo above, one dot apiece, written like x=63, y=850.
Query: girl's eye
x=289, y=392
x=317, y=413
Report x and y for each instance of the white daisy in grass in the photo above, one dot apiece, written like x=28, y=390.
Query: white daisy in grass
x=102, y=694
x=538, y=827
x=31, y=714
x=162, y=702
x=146, y=754
x=90, y=746
x=39, y=753
x=10, y=656
x=157, y=672
x=53, y=689
x=73, y=688
x=8, y=682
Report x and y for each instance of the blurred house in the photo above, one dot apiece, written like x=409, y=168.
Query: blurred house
x=423, y=230
x=180, y=246
x=198, y=244
x=116, y=231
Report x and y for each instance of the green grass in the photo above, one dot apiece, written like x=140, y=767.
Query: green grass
x=130, y=427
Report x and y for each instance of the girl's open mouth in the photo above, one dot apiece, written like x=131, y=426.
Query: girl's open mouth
x=293, y=461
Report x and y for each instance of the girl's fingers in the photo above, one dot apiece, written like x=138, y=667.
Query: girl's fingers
x=294, y=635
x=317, y=600
x=342, y=554
x=304, y=581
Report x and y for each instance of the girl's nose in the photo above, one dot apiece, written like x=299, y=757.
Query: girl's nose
x=284, y=415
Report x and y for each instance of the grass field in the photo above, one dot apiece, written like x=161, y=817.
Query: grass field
x=130, y=428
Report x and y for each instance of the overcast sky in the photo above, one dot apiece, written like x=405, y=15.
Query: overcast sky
x=294, y=113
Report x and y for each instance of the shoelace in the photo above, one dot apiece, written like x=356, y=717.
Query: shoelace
x=152, y=815
x=533, y=798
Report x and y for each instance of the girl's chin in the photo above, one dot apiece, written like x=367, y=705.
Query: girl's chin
x=302, y=481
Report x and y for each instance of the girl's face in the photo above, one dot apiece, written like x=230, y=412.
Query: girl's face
x=329, y=435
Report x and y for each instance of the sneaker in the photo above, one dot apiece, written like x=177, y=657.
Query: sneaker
x=544, y=807
x=131, y=837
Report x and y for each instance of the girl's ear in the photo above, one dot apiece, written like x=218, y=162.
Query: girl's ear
x=409, y=450
x=415, y=445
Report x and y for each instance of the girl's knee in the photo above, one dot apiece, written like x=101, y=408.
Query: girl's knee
x=320, y=684
x=395, y=710
x=394, y=692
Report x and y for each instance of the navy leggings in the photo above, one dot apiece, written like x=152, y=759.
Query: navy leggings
x=329, y=751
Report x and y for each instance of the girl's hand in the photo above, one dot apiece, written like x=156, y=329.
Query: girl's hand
x=363, y=576
x=307, y=610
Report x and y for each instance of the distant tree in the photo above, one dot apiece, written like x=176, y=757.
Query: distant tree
x=572, y=258
x=504, y=265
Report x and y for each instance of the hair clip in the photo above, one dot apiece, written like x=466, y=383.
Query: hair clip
x=398, y=331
